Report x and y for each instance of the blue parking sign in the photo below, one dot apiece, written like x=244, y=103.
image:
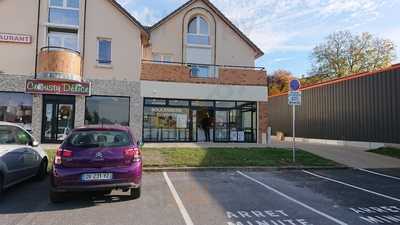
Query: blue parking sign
x=294, y=85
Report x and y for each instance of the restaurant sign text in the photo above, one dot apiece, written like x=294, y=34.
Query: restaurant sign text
x=58, y=87
x=16, y=38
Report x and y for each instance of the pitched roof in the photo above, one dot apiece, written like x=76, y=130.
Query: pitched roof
x=129, y=16
x=220, y=14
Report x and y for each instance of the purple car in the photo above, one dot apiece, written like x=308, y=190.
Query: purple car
x=97, y=159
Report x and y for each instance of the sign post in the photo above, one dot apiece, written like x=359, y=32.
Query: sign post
x=294, y=98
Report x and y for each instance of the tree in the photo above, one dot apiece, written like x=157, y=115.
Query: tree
x=344, y=54
x=278, y=82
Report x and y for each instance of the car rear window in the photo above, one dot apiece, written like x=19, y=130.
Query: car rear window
x=98, y=139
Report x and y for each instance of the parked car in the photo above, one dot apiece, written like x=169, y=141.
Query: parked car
x=98, y=159
x=21, y=157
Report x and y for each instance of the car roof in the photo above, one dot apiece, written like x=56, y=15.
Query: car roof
x=10, y=124
x=102, y=127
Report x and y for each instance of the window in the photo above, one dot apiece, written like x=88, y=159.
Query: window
x=14, y=135
x=154, y=101
x=225, y=104
x=178, y=103
x=198, y=49
x=107, y=110
x=64, y=12
x=104, y=51
x=16, y=108
x=200, y=71
x=198, y=32
x=162, y=57
x=180, y=120
x=166, y=124
x=62, y=39
x=98, y=139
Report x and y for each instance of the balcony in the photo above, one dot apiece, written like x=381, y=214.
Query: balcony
x=203, y=73
x=59, y=64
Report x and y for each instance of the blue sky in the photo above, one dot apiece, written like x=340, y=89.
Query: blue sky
x=287, y=30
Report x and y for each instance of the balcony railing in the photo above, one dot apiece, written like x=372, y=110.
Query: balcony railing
x=59, y=63
x=203, y=73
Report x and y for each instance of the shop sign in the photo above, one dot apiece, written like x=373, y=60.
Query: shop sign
x=16, y=38
x=58, y=87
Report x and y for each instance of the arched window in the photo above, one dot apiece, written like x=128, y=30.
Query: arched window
x=198, y=32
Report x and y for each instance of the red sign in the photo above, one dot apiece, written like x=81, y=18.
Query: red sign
x=16, y=38
x=58, y=87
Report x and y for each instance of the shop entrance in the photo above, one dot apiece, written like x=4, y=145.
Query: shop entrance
x=203, y=124
x=58, y=117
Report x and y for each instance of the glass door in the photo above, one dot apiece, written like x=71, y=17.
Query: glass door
x=58, y=118
x=222, y=126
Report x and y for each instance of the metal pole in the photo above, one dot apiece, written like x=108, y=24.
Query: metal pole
x=294, y=133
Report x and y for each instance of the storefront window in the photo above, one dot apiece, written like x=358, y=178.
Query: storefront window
x=199, y=121
x=107, y=110
x=153, y=101
x=166, y=124
x=178, y=103
x=224, y=104
x=203, y=103
x=16, y=108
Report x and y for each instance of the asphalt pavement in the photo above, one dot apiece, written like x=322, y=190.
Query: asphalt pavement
x=279, y=197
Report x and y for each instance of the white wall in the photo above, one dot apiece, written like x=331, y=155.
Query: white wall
x=157, y=89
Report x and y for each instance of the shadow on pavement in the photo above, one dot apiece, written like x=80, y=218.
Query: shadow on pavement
x=32, y=196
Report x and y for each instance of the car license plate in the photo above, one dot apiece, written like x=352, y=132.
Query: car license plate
x=96, y=176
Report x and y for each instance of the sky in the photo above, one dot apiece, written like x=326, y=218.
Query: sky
x=288, y=30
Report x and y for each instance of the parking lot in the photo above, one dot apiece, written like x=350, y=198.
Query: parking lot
x=285, y=197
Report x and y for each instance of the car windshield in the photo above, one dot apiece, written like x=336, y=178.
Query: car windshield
x=98, y=139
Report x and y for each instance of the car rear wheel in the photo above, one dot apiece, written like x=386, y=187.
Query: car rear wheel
x=42, y=171
x=135, y=193
x=56, y=197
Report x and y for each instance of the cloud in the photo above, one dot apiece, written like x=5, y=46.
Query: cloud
x=146, y=15
x=278, y=25
x=289, y=25
x=283, y=59
x=125, y=3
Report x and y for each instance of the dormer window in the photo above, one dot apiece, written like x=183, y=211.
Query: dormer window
x=198, y=32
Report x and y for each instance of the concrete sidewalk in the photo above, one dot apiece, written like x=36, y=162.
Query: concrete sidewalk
x=351, y=156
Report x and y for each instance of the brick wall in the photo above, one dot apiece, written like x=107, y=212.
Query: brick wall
x=181, y=73
x=263, y=121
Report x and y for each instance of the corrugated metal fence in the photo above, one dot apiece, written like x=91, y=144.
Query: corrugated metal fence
x=366, y=108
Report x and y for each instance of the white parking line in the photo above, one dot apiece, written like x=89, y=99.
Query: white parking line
x=379, y=174
x=182, y=209
x=353, y=186
x=294, y=200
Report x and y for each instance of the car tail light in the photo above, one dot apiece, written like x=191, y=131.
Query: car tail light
x=132, y=154
x=62, y=153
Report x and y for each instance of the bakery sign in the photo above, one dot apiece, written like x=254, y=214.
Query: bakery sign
x=16, y=38
x=58, y=87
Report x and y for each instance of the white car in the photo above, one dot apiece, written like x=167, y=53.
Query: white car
x=21, y=157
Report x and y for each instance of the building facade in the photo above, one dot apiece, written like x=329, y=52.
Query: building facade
x=189, y=78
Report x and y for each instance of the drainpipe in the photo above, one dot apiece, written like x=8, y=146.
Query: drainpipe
x=84, y=41
x=37, y=39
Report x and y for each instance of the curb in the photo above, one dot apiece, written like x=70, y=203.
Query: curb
x=262, y=168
